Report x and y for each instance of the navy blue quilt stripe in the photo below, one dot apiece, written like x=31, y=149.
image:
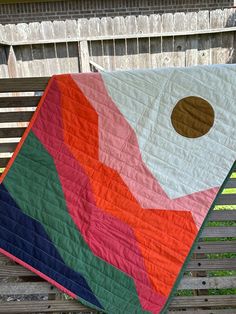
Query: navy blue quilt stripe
x=26, y=239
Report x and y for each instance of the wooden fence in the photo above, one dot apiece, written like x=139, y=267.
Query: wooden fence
x=209, y=284
x=180, y=39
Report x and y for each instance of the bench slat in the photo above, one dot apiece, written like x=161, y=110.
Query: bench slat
x=231, y=183
x=11, y=132
x=218, y=232
x=194, y=265
x=186, y=283
x=73, y=305
x=26, y=84
x=203, y=301
x=216, y=247
x=3, y=162
x=223, y=215
x=47, y=306
x=207, y=283
x=8, y=271
x=24, y=288
x=226, y=199
x=16, y=116
x=212, y=264
x=202, y=247
x=7, y=147
x=24, y=101
x=206, y=311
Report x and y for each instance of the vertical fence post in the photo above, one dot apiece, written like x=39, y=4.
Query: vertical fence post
x=11, y=63
x=84, y=56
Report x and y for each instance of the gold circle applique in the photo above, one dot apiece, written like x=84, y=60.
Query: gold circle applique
x=192, y=117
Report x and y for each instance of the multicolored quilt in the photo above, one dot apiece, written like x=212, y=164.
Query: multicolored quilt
x=115, y=175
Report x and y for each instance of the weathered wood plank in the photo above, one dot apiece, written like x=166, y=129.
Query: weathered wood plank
x=48, y=306
x=231, y=183
x=194, y=265
x=23, y=84
x=3, y=162
x=24, y=101
x=11, y=63
x=180, y=41
x=167, y=54
x=223, y=215
x=205, y=311
x=207, y=283
x=15, y=116
x=4, y=259
x=216, y=21
x=203, y=301
x=212, y=264
x=11, y=132
x=24, y=288
x=7, y=271
x=7, y=147
x=186, y=283
x=228, y=39
x=218, y=232
x=84, y=56
x=216, y=247
x=133, y=35
x=6, y=155
x=224, y=199
x=65, y=306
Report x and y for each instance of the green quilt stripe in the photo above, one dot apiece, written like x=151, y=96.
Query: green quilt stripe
x=39, y=194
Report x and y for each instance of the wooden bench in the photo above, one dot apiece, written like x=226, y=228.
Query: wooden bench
x=209, y=285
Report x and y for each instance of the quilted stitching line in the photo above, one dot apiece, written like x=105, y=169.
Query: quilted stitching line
x=44, y=252
x=82, y=188
x=58, y=232
x=75, y=241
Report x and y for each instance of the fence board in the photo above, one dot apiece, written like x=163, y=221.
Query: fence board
x=203, y=37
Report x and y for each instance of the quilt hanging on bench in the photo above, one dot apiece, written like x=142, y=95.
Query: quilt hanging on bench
x=111, y=182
